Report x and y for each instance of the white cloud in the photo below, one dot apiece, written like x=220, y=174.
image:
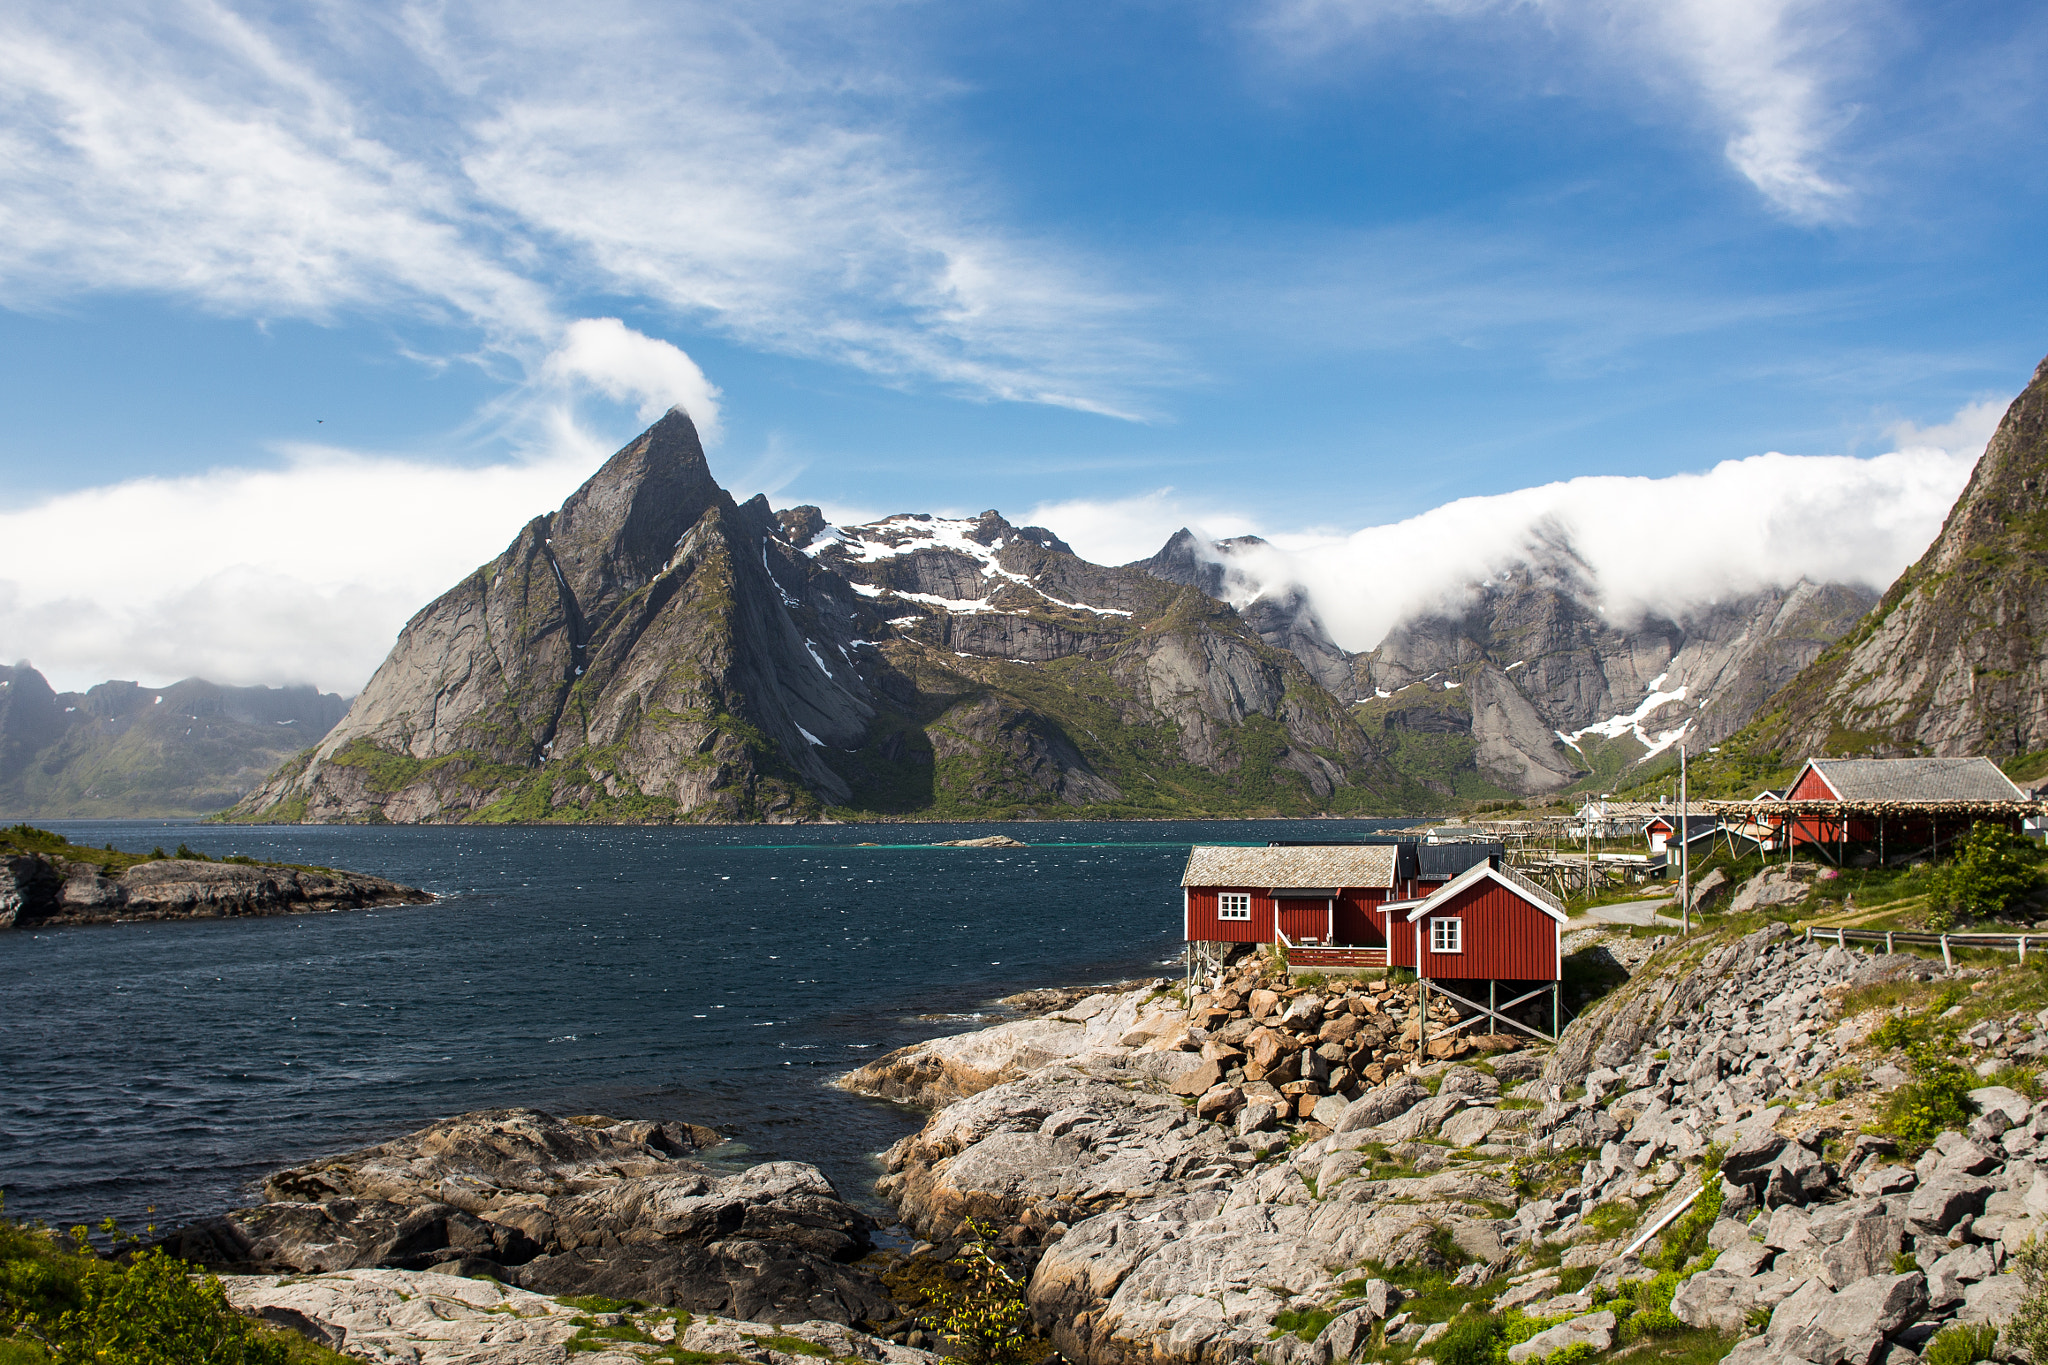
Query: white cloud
x=305, y=573
x=1970, y=429
x=1120, y=530
x=297, y=574
x=482, y=163
x=1761, y=71
x=625, y=365
x=1644, y=545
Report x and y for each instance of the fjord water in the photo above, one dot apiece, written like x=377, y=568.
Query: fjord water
x=719, y=975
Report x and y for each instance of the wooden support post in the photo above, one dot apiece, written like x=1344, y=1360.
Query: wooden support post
x=1946, y=961
x=1491, y=984
x=1556, y=1009
x=1887, y=943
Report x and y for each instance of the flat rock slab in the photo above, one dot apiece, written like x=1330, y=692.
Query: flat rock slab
x=399, y=1317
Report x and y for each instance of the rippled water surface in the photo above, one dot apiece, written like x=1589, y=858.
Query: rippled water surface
x=722, y=975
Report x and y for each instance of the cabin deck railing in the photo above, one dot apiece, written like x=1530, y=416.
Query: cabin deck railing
x=1301, y=955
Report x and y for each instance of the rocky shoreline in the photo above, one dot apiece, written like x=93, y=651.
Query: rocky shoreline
x=1282, y=1174
x=1173, y=1214
x=47, y=882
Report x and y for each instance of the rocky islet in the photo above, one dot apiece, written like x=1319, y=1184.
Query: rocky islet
x=47, y=882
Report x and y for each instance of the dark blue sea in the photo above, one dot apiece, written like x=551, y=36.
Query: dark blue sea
x=722, y=975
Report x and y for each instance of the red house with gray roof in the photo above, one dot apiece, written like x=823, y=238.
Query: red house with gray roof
x=1461, y=917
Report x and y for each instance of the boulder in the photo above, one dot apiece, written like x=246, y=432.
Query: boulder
x=1470, y=1127
x=1771, y=887
x=1714, y=1301
x=1381, y=1103
x=1939, y=1205
x=430, y=1319
x=1866, y=1249
x=1995, y=1300
x=1347, y=1333
x=2014, y=1107
x=1595, y=1330
x=1879, y=1304
x=1748, y=1162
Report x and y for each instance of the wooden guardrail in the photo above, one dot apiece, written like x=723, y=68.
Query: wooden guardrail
x=1891, y=937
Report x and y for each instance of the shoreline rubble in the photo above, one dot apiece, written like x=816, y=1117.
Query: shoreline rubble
x=1169, y=1223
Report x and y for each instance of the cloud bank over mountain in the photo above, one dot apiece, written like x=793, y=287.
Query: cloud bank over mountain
x=1631, y=545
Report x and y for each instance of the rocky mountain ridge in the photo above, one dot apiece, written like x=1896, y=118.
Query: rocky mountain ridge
x=120, y=749
x=1530, y=688
x=655, y=651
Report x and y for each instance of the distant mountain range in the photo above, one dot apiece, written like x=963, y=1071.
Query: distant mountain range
x=654, y=650
x=120, y=749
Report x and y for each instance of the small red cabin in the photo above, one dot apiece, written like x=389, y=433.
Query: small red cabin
x=1326, y=904
x=1295, y=896
x=1486, y=924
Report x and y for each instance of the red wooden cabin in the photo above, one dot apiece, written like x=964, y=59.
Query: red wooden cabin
x=1325, y=903
x=1488, y=924
x=1296, y=896
x=1924, y=797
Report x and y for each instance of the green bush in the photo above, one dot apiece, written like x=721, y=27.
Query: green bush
x=1306, y=1323
x=1687, y=1237
x=1936, y=1100
x=1962, y=1344
x=1469, y=1342
x=2029, y=1325
x=1991, y=868
x=987, y=1319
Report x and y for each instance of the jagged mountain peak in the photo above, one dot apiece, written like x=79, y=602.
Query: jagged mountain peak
x=615, y=533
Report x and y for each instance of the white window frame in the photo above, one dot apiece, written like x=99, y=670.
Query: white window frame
x=1447, y=942
x=1234, y=905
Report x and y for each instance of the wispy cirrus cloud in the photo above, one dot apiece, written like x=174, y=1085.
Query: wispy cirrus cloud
x=490, y=164
x=1766, y=74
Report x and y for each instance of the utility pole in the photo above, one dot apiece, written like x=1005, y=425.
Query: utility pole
x=1684, y=845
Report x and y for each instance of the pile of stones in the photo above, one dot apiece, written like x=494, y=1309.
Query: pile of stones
x=1284, y=1053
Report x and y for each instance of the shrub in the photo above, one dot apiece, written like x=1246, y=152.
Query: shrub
x=1306, y=1323
x=1687, y=1237
x=156, y=1312
x=1469, y=1342
x=2029, y=1325
x=987, y=1320
x=1962, y=1344
x=1936, y=1100
x=1991, y=867
x=1614, y=1218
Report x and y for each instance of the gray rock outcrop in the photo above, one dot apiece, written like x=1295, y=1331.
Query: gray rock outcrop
x=564, y=1207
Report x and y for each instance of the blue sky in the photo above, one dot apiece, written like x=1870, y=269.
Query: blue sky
x=275, y=279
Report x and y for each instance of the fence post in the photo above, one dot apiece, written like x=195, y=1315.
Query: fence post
x=1809, y=933
x=1839, y=943
x=1945, y=961
x=2023, y=950
x=1887, y=943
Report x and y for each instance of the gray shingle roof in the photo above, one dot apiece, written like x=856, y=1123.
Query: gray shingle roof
x=1917, y=779
x=1210, y=865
